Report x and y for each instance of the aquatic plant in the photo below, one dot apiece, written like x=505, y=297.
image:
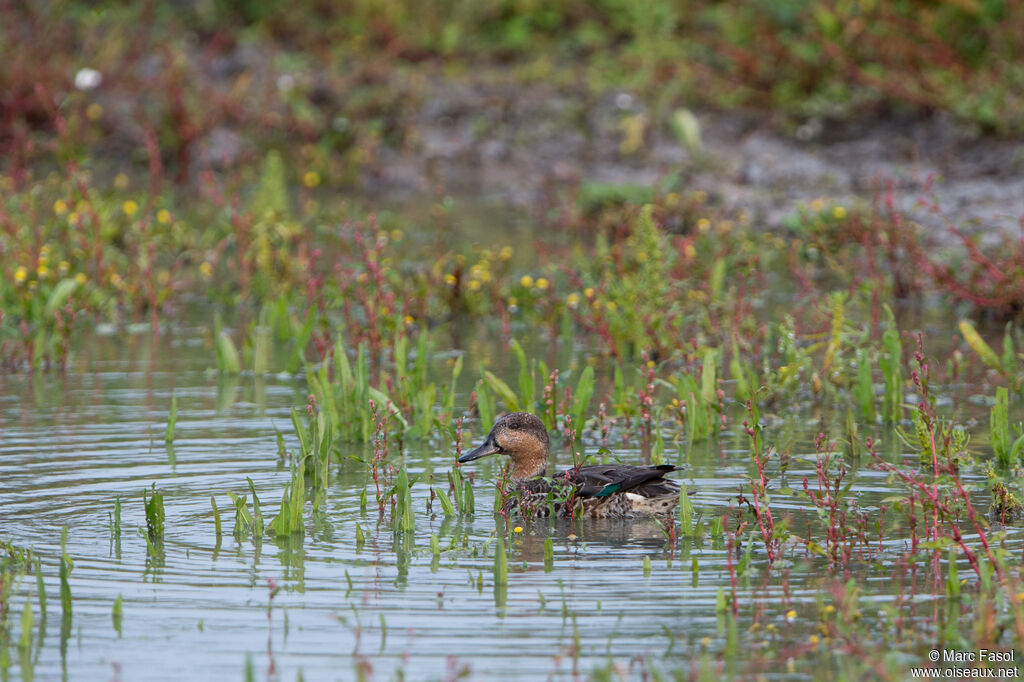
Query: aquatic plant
x=155, y=515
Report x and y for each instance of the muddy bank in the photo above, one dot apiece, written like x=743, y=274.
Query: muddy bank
x=524, y=145
x=498, y=136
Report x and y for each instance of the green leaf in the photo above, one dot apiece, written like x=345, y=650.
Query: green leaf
x=984, y=351
x=446, y=503
x=503, y=391
x=228, y=361
x=581, y=401
x=172, y=419
x=382, y=399
x=60, y=294
x=686, y=129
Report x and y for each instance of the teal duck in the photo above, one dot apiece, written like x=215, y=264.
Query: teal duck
x=597, y=490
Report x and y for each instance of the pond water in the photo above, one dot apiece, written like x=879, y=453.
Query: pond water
x=72, y=445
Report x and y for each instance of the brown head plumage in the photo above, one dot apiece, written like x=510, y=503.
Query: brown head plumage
x=522, y=437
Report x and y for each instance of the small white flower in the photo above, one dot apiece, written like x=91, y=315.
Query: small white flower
x=88, y=79
x=285, y=83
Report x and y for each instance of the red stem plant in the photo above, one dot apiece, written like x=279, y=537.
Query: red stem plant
x=943, y=512
x=759, y=488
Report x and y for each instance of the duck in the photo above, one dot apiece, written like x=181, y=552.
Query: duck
x=594, y=491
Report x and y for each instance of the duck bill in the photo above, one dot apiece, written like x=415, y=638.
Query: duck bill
x=488, y=448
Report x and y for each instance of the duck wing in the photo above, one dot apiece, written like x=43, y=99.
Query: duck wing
x=602, y=480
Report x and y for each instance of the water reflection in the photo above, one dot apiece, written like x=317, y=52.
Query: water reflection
x=357, y=594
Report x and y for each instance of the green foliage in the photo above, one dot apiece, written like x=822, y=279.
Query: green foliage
x=172, y=420
x=216, y=518
x=891, y=362
x=686, y=526
x=271, y=199
x=864, y=390
x=581, y=400
x=244, y=521
x=228, y=361
x=1009, y=452
x=65, y=584
x=1007, y=364
x=446, y=503
x=117, y=614
x=155, y=515
x=597, y=196
x=500, y=566
x=404, y=517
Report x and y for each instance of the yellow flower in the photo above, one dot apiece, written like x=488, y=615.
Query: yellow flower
x=690, y=251
x=542, y=283
x=121, y=181
x=311, y=179
x=817, y=205
x=526, y=281
x=589, y=292
x=505, y=253
x=830, y=609
x=206, y=268
x=60, y=207
x=814, y=640
x=700, y=195
x=449, y=279
x=409, y=319
x=839, y=212
x=705, y=642
x=64, y=266
x=93, y=111
x=163, y=216
x=130, y=208
x=672, y=200
x=397, y=235
x=517, y=529
x=81, y=278
x=474, y=285
x=513, y=301
x=725, y=226
x=703, y=225
x=573, y=299
x=116, y=280
x=611, y=306
x=20, y=274
x=42, y=271
x=791, y=615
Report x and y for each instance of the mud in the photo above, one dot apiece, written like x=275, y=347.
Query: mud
x=521, y=146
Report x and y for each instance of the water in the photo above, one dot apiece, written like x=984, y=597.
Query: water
x=70, y=445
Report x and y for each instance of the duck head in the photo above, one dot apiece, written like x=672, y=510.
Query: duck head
x=522, y=437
